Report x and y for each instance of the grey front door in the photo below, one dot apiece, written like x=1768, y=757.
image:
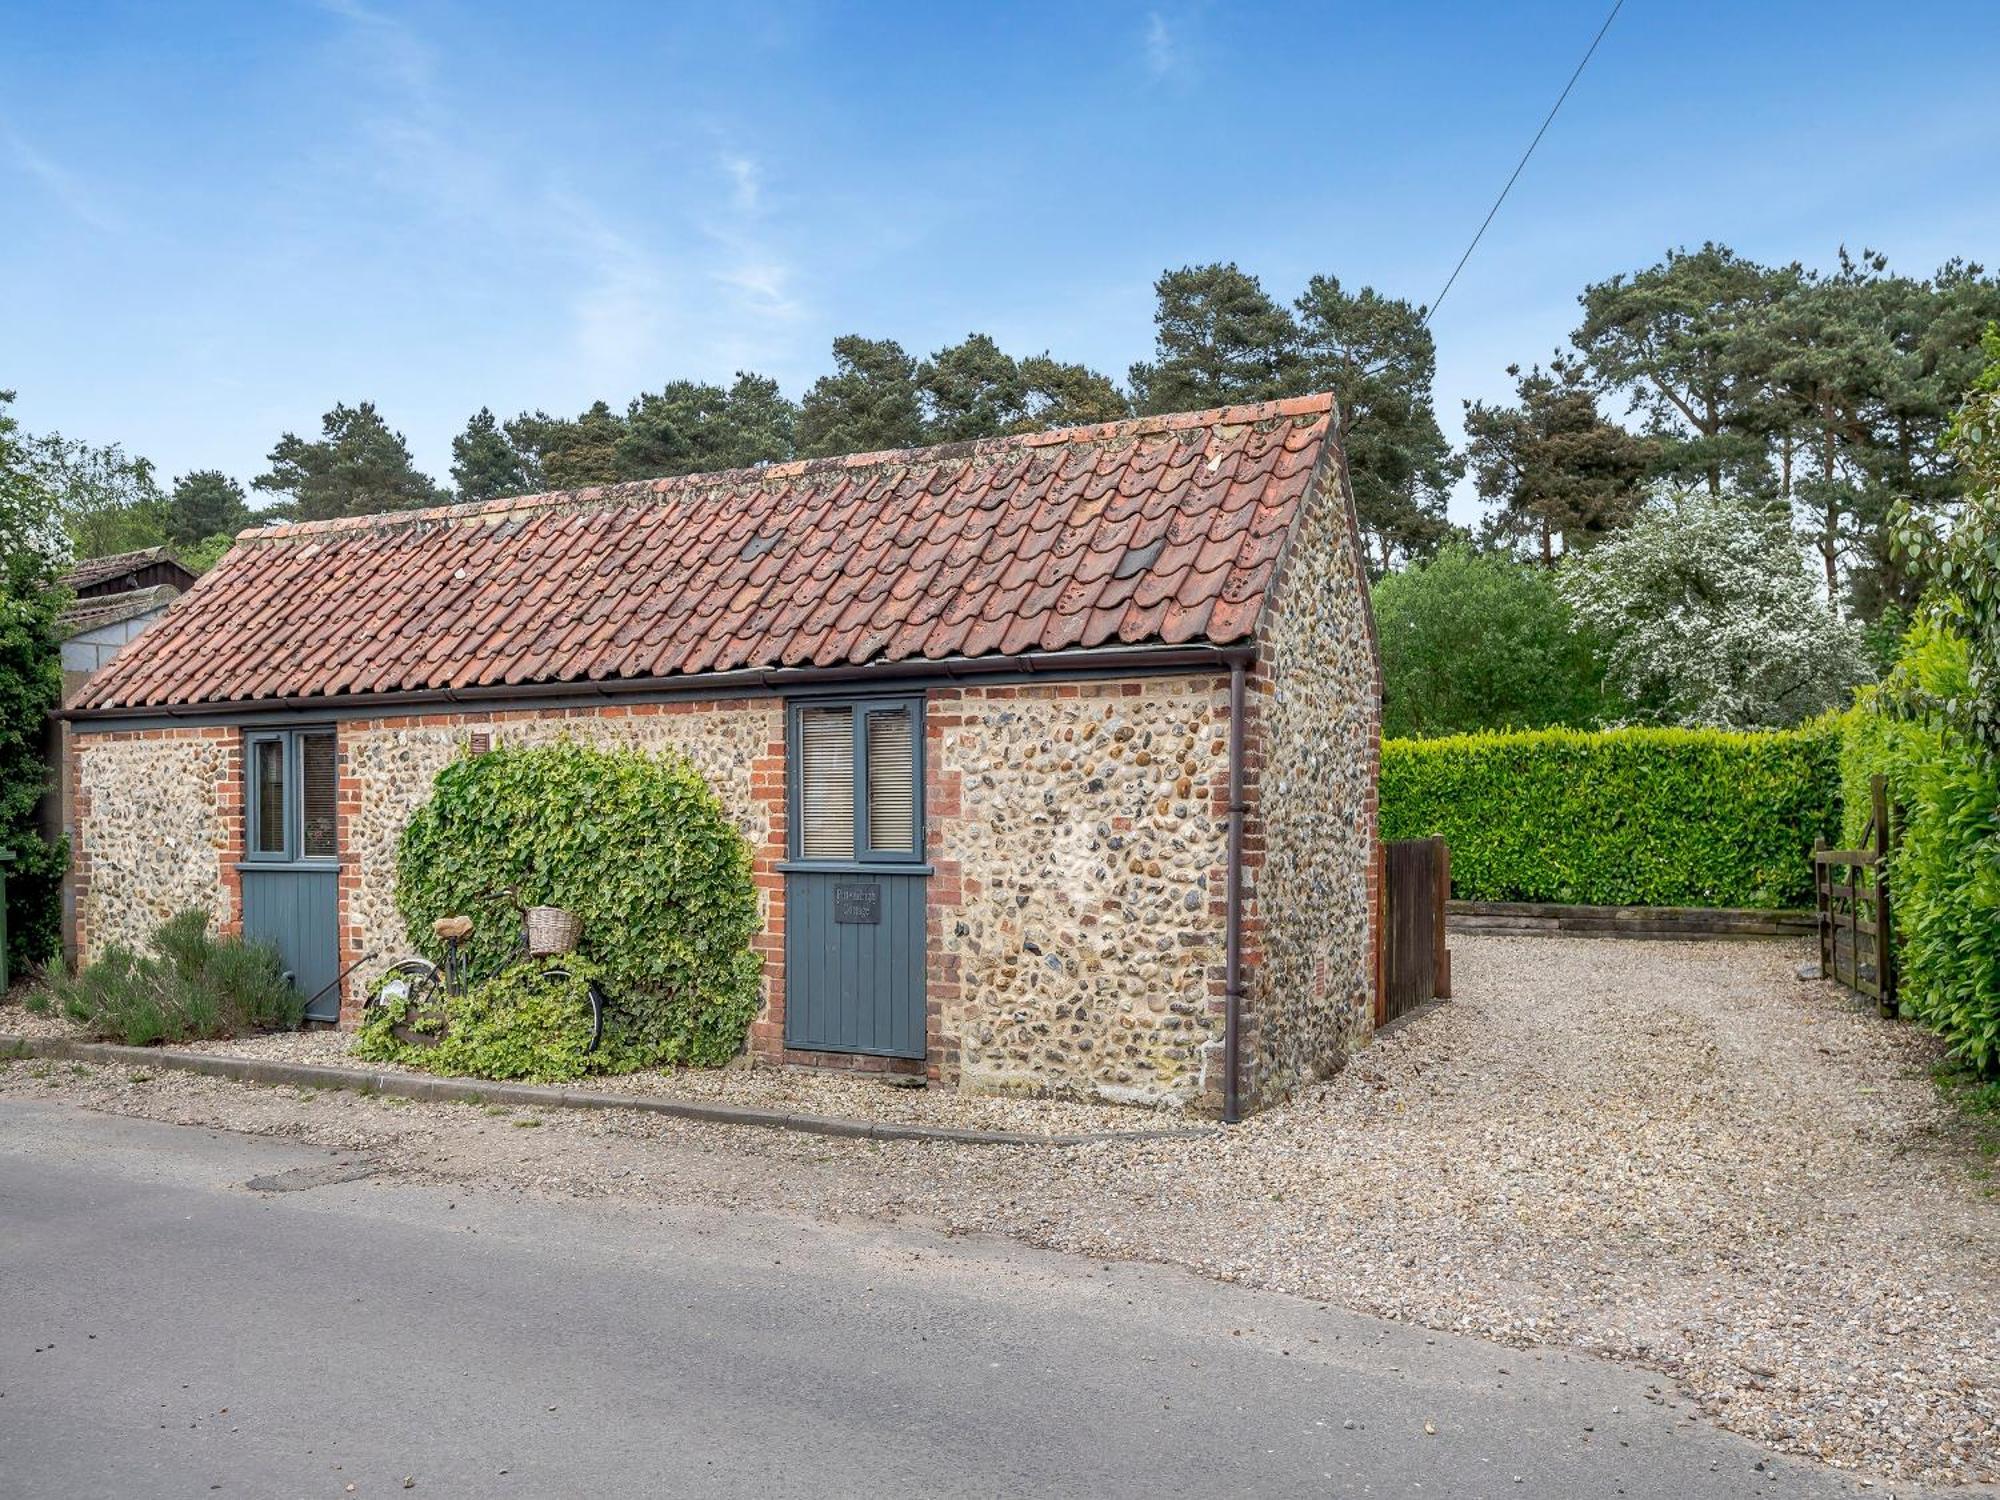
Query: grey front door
x=855, y=883
x=291, y=858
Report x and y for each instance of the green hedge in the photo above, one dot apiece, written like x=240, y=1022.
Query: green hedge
x=1621, y=817
x=1944, y=866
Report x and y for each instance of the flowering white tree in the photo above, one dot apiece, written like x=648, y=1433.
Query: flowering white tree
x=1711, y=616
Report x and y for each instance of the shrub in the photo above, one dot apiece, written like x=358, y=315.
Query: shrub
x=34, y=899
x=190, y=987
x=1944, y=864
x=511, y=1026
x=637, y=846
x=31, y=603
x=1638, y=817
x=30, y=688
x=1478, y=641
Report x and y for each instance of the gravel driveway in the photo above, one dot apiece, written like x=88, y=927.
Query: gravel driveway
x=1675, y=1155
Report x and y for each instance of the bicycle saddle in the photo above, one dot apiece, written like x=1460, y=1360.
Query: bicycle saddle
x=452, y=929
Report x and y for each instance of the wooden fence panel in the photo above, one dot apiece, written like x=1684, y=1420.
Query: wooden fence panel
x=1416, y=964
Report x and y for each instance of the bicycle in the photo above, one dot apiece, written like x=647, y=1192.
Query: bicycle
x=419, y=990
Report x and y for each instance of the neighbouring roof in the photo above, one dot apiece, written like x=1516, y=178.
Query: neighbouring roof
x=1161, y=529
x=100, y=610
x=93, y=573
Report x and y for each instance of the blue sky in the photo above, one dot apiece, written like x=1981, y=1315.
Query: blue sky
x=222, y=219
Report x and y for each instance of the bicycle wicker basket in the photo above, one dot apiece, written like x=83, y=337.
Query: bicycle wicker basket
x=551, y=930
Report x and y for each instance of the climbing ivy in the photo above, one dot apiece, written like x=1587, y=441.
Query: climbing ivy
x=516, y=1024
x=637, y=846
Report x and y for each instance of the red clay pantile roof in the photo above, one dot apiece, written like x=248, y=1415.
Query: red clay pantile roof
x=1162, y=529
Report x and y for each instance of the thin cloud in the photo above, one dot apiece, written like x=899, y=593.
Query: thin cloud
x=747, y=180
x=1170, y=45
x=764, y=282
x=751, y=266
x=618, y=293
x=1162, y=55
x=60, y=183
x=418, y=147
x=399, y=53
x=628, y=292
x=619, y=309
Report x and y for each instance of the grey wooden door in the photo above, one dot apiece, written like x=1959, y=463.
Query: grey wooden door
x=291, y=863
x=856, y=884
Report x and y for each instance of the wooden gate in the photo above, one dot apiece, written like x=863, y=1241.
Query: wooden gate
x=1851, y=904
x=1416, y=966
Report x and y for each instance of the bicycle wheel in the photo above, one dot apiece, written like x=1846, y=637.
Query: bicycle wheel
x=560, y=974
x=412, y=989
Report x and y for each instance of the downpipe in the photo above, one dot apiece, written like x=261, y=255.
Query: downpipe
x=1232, y=900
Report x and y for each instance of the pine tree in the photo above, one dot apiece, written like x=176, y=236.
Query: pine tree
x=1679, y=341
x=1070, y=395
x=358, y=467
x=485, y=465
x=1218, y=339
x=1555, y=468
x=1376, y=356
x=691, y=427
x=203, y=504
x=869, y=402
x=973, y=390
x=559, y=453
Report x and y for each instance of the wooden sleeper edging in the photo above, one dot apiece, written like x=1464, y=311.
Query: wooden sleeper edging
x=1541, y=919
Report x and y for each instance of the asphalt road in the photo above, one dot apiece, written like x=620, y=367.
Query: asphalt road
x=167, y=1330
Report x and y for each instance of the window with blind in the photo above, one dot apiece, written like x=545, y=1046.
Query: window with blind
x=294, y=783
x=826, y=783
x=316, y=793
x=892, y=782
x=267, y=773
x=857, y=778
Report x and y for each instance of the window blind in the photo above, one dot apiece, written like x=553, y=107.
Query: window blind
x=826, y=786
x=317, y=780
x=270, y=781
x=892, y=790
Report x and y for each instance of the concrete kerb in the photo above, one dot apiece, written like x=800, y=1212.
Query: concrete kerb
x=542, y=1096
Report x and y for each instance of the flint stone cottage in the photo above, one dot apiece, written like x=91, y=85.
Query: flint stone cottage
x=1056, y=753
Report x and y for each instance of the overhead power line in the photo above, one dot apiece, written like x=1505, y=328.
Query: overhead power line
x=1617, y=6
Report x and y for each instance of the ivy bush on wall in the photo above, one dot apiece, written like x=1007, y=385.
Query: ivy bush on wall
x=638, y=847
x=1621, y=817
x=511, y=1025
